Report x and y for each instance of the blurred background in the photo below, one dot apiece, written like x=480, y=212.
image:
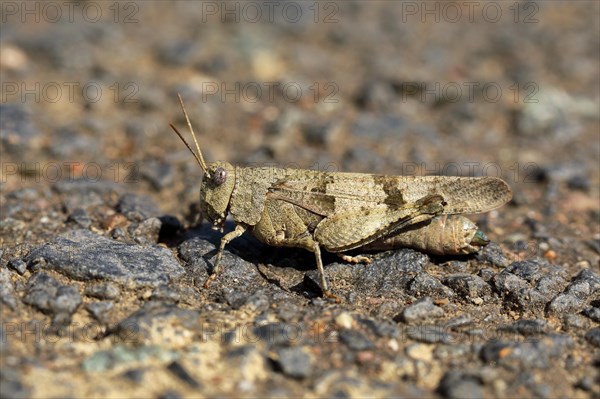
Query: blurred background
x=498, y=88
x=459, y=88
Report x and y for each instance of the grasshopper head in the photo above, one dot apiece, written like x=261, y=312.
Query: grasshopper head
x=218, y=181
x=217, y=185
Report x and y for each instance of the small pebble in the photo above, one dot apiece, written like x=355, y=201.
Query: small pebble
x=99, y=310
x=81, y=218
x=457, y=385
x=420, y=352
x=422, y=310
x=146, y=232
x=295, y=362
x=7, y=290
x=355, y=340
x=593, y=337
x=344, y=320
x=18, y=265
x=103, y=291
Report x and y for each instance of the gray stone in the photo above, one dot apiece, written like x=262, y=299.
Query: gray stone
x=119, y=356
x=118, y=233
x=146, y=232
x=420, y=311
x=565, y=303
x=593, y=337
x=492, y=253
x=140, y=326
x=459, y=321
x=249, y=362
x=257, y=301
x=527, y=327
x=595, y=243
x=574, y=322
x=458, y=385
x=456, y=267
x=530, y=284
x=533, y=354
x=195, y=248
x=288, y=311
x=7, y=290
x=468, y=286
x=79, y=188
x=48, y=295
x=585, y=284
x=430, y=334
x=382, y=328
x=389, y=275
x=83, y=255
x=425, y=284
x=99, y=310
x=80, y=217
x=18, y=265
x=486, y=274
x=453, y=351
x=103, y=291
x=166, y=294
x=294, y=362
x=355, y=340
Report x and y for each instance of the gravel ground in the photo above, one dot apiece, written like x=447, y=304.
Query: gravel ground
x=103, y=259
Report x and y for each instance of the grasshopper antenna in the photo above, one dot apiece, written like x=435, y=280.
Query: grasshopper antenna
x=198, y=156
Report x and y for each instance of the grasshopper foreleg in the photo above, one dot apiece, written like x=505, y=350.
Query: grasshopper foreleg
x=239, y=230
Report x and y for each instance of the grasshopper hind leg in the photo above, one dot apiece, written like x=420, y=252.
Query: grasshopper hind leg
x=308, y=243
x=324, y=286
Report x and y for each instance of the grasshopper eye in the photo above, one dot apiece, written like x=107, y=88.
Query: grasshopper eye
x=219, y=176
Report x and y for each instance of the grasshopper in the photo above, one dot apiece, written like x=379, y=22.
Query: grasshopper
x=339, y=212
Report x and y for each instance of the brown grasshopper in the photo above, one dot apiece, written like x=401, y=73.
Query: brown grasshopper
x=339, y=212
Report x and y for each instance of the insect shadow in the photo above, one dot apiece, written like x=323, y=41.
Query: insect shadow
x=251, y=250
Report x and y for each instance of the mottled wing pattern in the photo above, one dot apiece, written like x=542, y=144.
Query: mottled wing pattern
x=326, y=193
